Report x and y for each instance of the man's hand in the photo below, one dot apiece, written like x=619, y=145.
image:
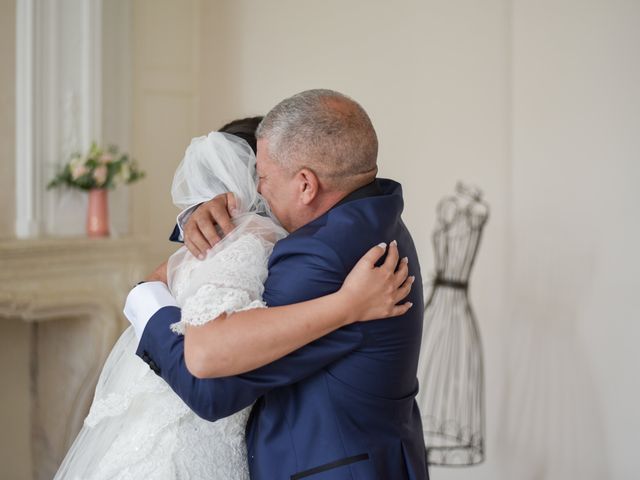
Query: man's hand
x=200, y=232
x=159, y=274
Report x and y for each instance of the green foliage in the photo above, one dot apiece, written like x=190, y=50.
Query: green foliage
x=97, y=169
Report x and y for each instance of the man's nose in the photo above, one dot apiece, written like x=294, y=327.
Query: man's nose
x=259, y=187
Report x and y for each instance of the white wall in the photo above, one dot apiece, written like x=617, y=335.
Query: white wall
x=117, y=86
x=575, y=263
x=165, y=111
x=7, y=116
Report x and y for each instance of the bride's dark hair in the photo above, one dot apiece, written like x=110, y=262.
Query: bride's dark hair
x=244, y=128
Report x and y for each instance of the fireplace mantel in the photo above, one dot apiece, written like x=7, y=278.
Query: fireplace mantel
x=66, y=294
x=40, y=276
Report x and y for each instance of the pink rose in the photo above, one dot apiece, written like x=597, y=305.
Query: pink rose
x=100, y=175
x=78, y=170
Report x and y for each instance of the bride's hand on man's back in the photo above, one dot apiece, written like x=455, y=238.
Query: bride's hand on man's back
x=375, y=292
x=200, y=232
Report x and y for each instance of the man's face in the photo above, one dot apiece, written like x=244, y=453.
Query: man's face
x=278, y=187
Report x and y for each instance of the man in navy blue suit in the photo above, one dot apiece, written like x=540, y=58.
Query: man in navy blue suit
x=342, y=407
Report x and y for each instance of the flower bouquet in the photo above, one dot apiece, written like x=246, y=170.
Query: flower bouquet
x=96, y=172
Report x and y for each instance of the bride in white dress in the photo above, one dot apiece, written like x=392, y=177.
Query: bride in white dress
x=137, y=427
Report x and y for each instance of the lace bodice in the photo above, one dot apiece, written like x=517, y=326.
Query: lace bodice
x=234, y=281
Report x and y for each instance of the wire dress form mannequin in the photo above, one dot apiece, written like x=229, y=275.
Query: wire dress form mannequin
x=451, y=397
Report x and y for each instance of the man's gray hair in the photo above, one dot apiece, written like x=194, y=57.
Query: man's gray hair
x=324, y=131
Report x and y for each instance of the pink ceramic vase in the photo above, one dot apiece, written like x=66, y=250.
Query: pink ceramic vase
x=98, y=213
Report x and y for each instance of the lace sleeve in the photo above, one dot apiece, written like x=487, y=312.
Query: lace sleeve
x=234, y=282
x=212, y=301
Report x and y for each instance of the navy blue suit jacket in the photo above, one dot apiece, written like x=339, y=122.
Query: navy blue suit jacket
x=342, y=407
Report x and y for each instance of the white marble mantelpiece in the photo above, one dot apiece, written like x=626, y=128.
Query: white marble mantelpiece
x=60, y=313
x=37, y=276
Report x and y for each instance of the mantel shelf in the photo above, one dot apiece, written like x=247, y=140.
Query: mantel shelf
x=43, y=256
x=55, y=245
x=41, y=273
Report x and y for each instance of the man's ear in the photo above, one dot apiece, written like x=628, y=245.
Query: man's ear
x=309, y=185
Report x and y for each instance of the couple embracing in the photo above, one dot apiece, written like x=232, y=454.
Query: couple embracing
x=282, y=341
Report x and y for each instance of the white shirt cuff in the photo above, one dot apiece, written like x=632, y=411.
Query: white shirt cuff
x=144, y=301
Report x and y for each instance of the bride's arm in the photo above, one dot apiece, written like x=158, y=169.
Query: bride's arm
x=244, y=341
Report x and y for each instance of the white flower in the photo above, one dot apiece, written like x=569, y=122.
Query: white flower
x=76, y=161
x=100, y=175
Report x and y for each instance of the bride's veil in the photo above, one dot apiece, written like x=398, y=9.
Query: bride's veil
x=216, y=164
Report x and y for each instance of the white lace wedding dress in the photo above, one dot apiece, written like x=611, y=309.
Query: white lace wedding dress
x=137, y=427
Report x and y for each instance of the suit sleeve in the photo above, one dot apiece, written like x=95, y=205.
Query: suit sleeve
x=183, y=217
x=176, y=235
x=296, y=276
